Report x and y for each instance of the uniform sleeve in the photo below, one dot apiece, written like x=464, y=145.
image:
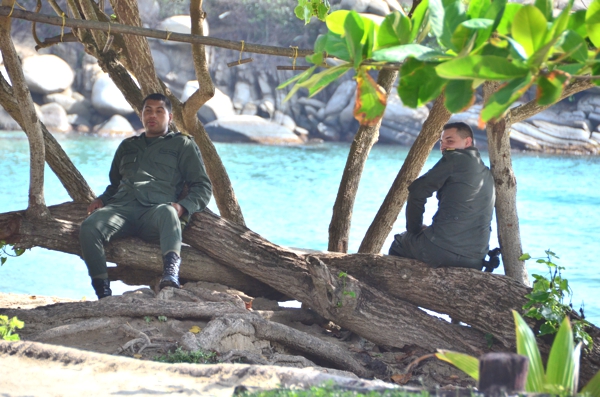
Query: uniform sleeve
x=194, y=174
x=114, y=177
x=421, y=189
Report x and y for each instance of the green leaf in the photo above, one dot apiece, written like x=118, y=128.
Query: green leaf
x=560, y=23
x=462, y=38
x=436, y=17
x=592, y=22
x=550, y=87
x=299, y=79
x=316, y=58
x=394, y=30
x=563, y=360
x=16, y=323
x=371, y=100
x=529, y=28
x=572, y=68
x=505, y=24
x=478, y=23
x=454, y=15
x=3, y=260
x=368, y=40
x=335, y=21
x=355, y=30
x=321, y=80
x=574, y=46
x=418, y=19
x=577, y=23
x=592, y=389
x=495, y=12
x=527, y=346
x=468, y=364
x=419, y=83
x=501, y=100
x=459, y=95
x=525, y=257
x=400, y=53
x=336, y=46
x=546, y=7
x=486, y=67
x=541, y=55
x=477, y=8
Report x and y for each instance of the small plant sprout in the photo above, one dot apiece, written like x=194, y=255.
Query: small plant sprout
x=8, y=327
x=162, y=319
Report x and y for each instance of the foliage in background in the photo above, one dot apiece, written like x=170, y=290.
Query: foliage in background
x=333, y=391
x=562, y=370
x=307, y=9
x=8, y=327
x=182, y=356
x=546, y=301
x=4, y=255
x=515, y=44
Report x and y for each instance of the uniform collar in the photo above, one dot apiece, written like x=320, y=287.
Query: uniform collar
x=470, y=151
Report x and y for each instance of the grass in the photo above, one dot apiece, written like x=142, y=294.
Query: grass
x=329, y=391
x=182, y=356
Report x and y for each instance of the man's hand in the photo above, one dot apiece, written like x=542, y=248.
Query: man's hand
x=94, y=205
x=180, y=210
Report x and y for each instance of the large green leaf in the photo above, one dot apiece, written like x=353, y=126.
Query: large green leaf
x=368, y=41
x=477, y=8
x=468, y=364
x=499, y=103
x=355, y=30
x=560, y=23
x=529, y=28
x=419, y=19
x=436, y=17
x=299, y=79
x=495, y=11
x=546, y=7
x=541, y=55
x=571, y=68
x=592, y=22
x=527, y=346
x=562, y=362
x=335, y=21
x=459, y=95
x=507, y=18
x=454, y=15
x=419, y=83
x=486, y=67
x=401, y=52
x=592, y=389
x=336, y=46
x=371, y=100
x=577, y=23
x=478, y=23
x=394, y=30
x=321, y=80
x=574, y=46
x=463, y=37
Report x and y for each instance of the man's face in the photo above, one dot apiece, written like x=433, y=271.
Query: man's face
x=155, y=118
x=451, y=140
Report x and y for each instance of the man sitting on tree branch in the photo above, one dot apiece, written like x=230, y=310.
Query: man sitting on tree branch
x=460, y=232
x=147, y=177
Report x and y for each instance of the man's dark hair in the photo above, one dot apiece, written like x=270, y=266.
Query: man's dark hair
x=462, y=129
x=159, y=97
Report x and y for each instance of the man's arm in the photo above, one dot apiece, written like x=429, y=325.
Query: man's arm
x=421, y=189
x=194, y=174
x=114, y=177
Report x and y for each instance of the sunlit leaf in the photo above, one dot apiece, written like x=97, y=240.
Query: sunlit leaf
x=563, y=360
x=454, y=15
x=577, y=23
x=478, y=23
x=495, y=12
x=592, y=22
x=593, y=387
x=436, y=17
x=335, y=21
x=487, y=67
x=459, y=95
x=468, y=364
x=299, y=78
x=477, y=8
x=529, y=28
x=574, y=46
x=541, y=55
x=550, y=87
x=462, y=37
x=527, y=346
x=419, y=19
x=321, y=80
x=394, y=30
x=419, y=83
x=507, y=18
x=545, y=6
x=371, y=100
x=400, y=53
x=560, y=23
x=369, y=37
x=501, y=100
x=336, y=46
x=517, y=49
x=355, y=30
x=525, y=257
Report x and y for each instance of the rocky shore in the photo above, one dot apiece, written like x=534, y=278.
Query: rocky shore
x=73, y=95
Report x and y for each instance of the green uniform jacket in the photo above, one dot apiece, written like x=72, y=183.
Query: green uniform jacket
x=155, y=173
x=465, y=190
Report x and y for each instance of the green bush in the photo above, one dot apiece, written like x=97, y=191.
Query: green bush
x=182, y=356
x=8, y=327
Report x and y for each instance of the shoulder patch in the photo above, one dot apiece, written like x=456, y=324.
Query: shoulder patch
x=449, y=149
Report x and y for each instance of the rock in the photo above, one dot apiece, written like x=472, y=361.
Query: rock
x=249, y=109
x=328, y=132
x=281, y=118
x=263, y=84
x=378, y=7
x=311, y=102
x=346, y=118
x=7, y=123
x=149, y=10
x=250, y=129
x=390, y=135
x=54, y=118
x=572, y=118
x=321, y=113
x=47, y=74
x=356, y=5
x=217, y=107
x=394, y=5
x=266, y=109
x=107, y=99
x=66, y=101
x=303, y=133
x=78, y=121
x=161, y=63
x=179, y=24
x=117, y=125
x=588, y=103
x=311, y=111
x=402, y=118
x=342, y=95
x=242, y=94
x=83, y=108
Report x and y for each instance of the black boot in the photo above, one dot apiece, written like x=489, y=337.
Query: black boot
x=102, y=287
x=170, y=277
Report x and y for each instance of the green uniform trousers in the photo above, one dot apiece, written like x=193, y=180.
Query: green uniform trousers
x=157, y=223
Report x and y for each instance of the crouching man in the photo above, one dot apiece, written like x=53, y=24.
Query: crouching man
x=460, y=232
x=147, y=176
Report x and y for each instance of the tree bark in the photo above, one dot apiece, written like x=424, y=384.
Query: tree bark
x=507, y=220
x=392, y=205
x=365, y=138
x=37, y=204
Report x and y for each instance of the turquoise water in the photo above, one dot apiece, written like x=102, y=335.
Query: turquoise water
x=287, y=193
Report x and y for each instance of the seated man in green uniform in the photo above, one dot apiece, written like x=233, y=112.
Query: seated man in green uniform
x=460, y=232
x=147, y=176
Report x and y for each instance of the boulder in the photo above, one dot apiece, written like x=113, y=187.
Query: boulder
x=378, y=7
x=356, y=5
x=116, y=125
x=250, y=109
x=588, y=103
x=327, y=132
x=217, y=107
x=47, y=74
x=303, y=133
x=179, y=24
x=253, y=129
x=394, y=5
x=281, y=118
x=266, y=109
x=402, y=118
x=242, y=94
x=107, y=99
x=311, y=102
x=263, y=84
x=54, y=117
x=78, y=121
x=346, y=118
x=149, y=10
x=162, y=62
x=342, y=95
x=390, y=135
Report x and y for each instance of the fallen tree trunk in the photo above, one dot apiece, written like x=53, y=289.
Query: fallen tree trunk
x=388, y=315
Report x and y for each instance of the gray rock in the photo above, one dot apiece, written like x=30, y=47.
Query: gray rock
x=266, y=109
x=47, y=74
x=303, y=133
x=54, y=117
x=321, y=114
x=83, y=108
x=249, y=109
x=311, y=111
x=117, y=125
x=162, y=63
x=79, y=120
x=390, y=135
x=179, y=24
x=250, y=129
x=378, y=7
x=356, y=5
x=281, y=118
x=327, y=132
x=242, y=94
x=588, y=103
x=107, y=99
x=402, y=118
x=342, y=95
x=346, y=118
x=311, y=102
x=263, y=84
x=217, y=107
x=149, y=10
x=66, y=101
x=394, y=5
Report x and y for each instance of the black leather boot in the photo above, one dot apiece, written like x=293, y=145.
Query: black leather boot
x=102, y=287
x=170, y=277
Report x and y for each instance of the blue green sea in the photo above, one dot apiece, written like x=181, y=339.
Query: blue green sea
x=287, y=195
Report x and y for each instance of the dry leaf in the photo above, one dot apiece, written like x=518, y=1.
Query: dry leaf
x=195, y=329
x=137, y=356
x=401, y=379
x=33, y=297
